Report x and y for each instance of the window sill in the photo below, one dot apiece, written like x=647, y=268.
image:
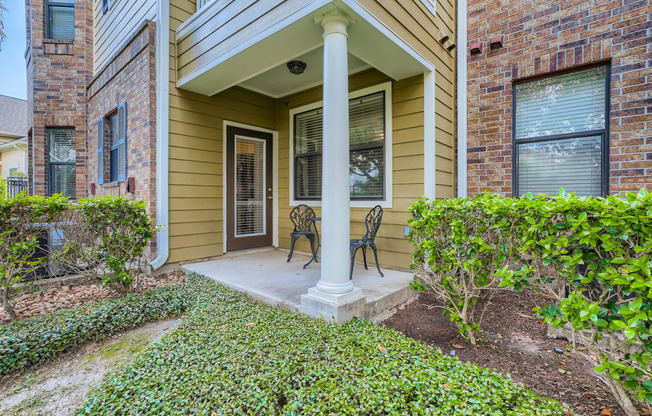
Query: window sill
x=111, y=185
x=352, y=204
x=59, y=41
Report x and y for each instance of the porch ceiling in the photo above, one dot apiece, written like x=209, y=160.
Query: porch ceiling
x=259, y=64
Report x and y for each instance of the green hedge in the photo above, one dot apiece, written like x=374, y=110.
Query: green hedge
x=592, y=256
x=31, y=341
x=233, y=356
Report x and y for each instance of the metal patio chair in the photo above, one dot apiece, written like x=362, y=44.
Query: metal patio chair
x=303, y=218
x=372, y=222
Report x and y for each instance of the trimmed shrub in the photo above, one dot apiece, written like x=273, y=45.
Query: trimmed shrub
x=31, y=341
x=592, y=256
x=232, y=356
x=455, y=255
x=107, y=237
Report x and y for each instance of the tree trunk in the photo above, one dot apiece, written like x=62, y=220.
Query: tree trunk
x=621, y=396
x=7, y=305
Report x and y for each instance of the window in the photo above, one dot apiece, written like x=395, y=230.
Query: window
x=13, y=171
x=369, y=162
x=61, y=162
x=560, y=133
x=60, y=19
x=113, y=128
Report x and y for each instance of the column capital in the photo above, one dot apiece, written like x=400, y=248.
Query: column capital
x=334, y=20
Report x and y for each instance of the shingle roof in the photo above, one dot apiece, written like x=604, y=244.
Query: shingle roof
x=13, y=116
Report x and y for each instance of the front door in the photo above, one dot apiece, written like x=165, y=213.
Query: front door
x=248, y=188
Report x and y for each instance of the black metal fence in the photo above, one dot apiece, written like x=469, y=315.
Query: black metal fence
x=16, y=185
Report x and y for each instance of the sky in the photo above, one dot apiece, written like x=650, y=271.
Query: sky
x=13, y=77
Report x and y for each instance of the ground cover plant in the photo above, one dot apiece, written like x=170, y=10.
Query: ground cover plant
x=33, y=340
x=592, y=256
x=234, y=356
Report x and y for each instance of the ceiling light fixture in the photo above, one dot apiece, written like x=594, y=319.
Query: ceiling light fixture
x=296, y=67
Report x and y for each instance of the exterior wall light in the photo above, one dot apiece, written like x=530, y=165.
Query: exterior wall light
x=296, y=67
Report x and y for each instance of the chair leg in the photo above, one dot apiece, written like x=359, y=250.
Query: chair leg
x=364, y=256
x=373, y=247
x=294, y=239
x=353, y=251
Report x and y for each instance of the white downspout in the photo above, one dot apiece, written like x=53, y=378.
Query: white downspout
x=461, y=99
x=162, y=131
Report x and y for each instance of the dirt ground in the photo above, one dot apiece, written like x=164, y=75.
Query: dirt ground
x=59, y=387
x=515, y=343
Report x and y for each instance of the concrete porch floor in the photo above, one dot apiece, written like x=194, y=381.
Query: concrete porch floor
x=265, y=275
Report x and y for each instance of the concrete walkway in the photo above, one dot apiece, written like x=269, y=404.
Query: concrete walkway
x=265, y=275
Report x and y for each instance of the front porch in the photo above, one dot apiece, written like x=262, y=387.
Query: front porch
x=265, y=275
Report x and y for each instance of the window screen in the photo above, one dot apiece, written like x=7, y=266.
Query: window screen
x=560, y=131
x=366, y=151
x=61, y=19
x=61, y=162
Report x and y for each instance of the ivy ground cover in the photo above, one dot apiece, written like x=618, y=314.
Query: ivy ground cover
x=234, y=356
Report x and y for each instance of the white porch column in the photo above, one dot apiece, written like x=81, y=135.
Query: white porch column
x=334, y=297
x=335, y=164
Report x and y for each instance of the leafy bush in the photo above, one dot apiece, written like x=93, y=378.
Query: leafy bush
x=21, y=226
x=31, y=341
x=107, y=237
x=455, y=255
x=592, y=256
x=233, y=356
x=3, y=188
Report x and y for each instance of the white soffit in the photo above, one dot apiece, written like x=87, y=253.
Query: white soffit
x=279, y=82
x=255, y=66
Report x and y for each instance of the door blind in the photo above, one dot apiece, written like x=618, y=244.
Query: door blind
x=249, y=186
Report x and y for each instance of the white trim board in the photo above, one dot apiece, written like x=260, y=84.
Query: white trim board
x=387, y=202
x=274, y=133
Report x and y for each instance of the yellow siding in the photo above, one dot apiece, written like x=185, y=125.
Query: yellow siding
x=413, y=22
x=196, y=155
x=112, y=29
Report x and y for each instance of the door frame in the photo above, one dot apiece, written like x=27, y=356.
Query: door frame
x=274, y=133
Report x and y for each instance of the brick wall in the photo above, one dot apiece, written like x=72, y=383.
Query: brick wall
x=57, y=75
x=542, y=37
x=129, y=77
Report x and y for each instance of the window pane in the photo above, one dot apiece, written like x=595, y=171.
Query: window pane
x=574, y=164
x=62, y=145
x=307, y=177
x=250, y=187
x=567, y=103
x=62, y=179
x=113, y=130
x=62, y=23
x=113, y=165
x=366, y=168
x=366, y=140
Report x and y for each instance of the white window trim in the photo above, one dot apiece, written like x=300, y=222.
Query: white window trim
x=387, y=202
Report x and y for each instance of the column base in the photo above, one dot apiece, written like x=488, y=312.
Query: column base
x=332, y=307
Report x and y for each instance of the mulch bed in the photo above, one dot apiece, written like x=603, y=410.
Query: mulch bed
x=515, y=342
x=46, y=297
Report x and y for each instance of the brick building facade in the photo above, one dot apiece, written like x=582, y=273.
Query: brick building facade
x=68, y=99
x=542, y=41
x=58, y=70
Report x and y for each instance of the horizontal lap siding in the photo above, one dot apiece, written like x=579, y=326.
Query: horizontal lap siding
x=413, y=22
x=113, y=28
x=196, y=156
x=407, y=176
x=227, y=26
